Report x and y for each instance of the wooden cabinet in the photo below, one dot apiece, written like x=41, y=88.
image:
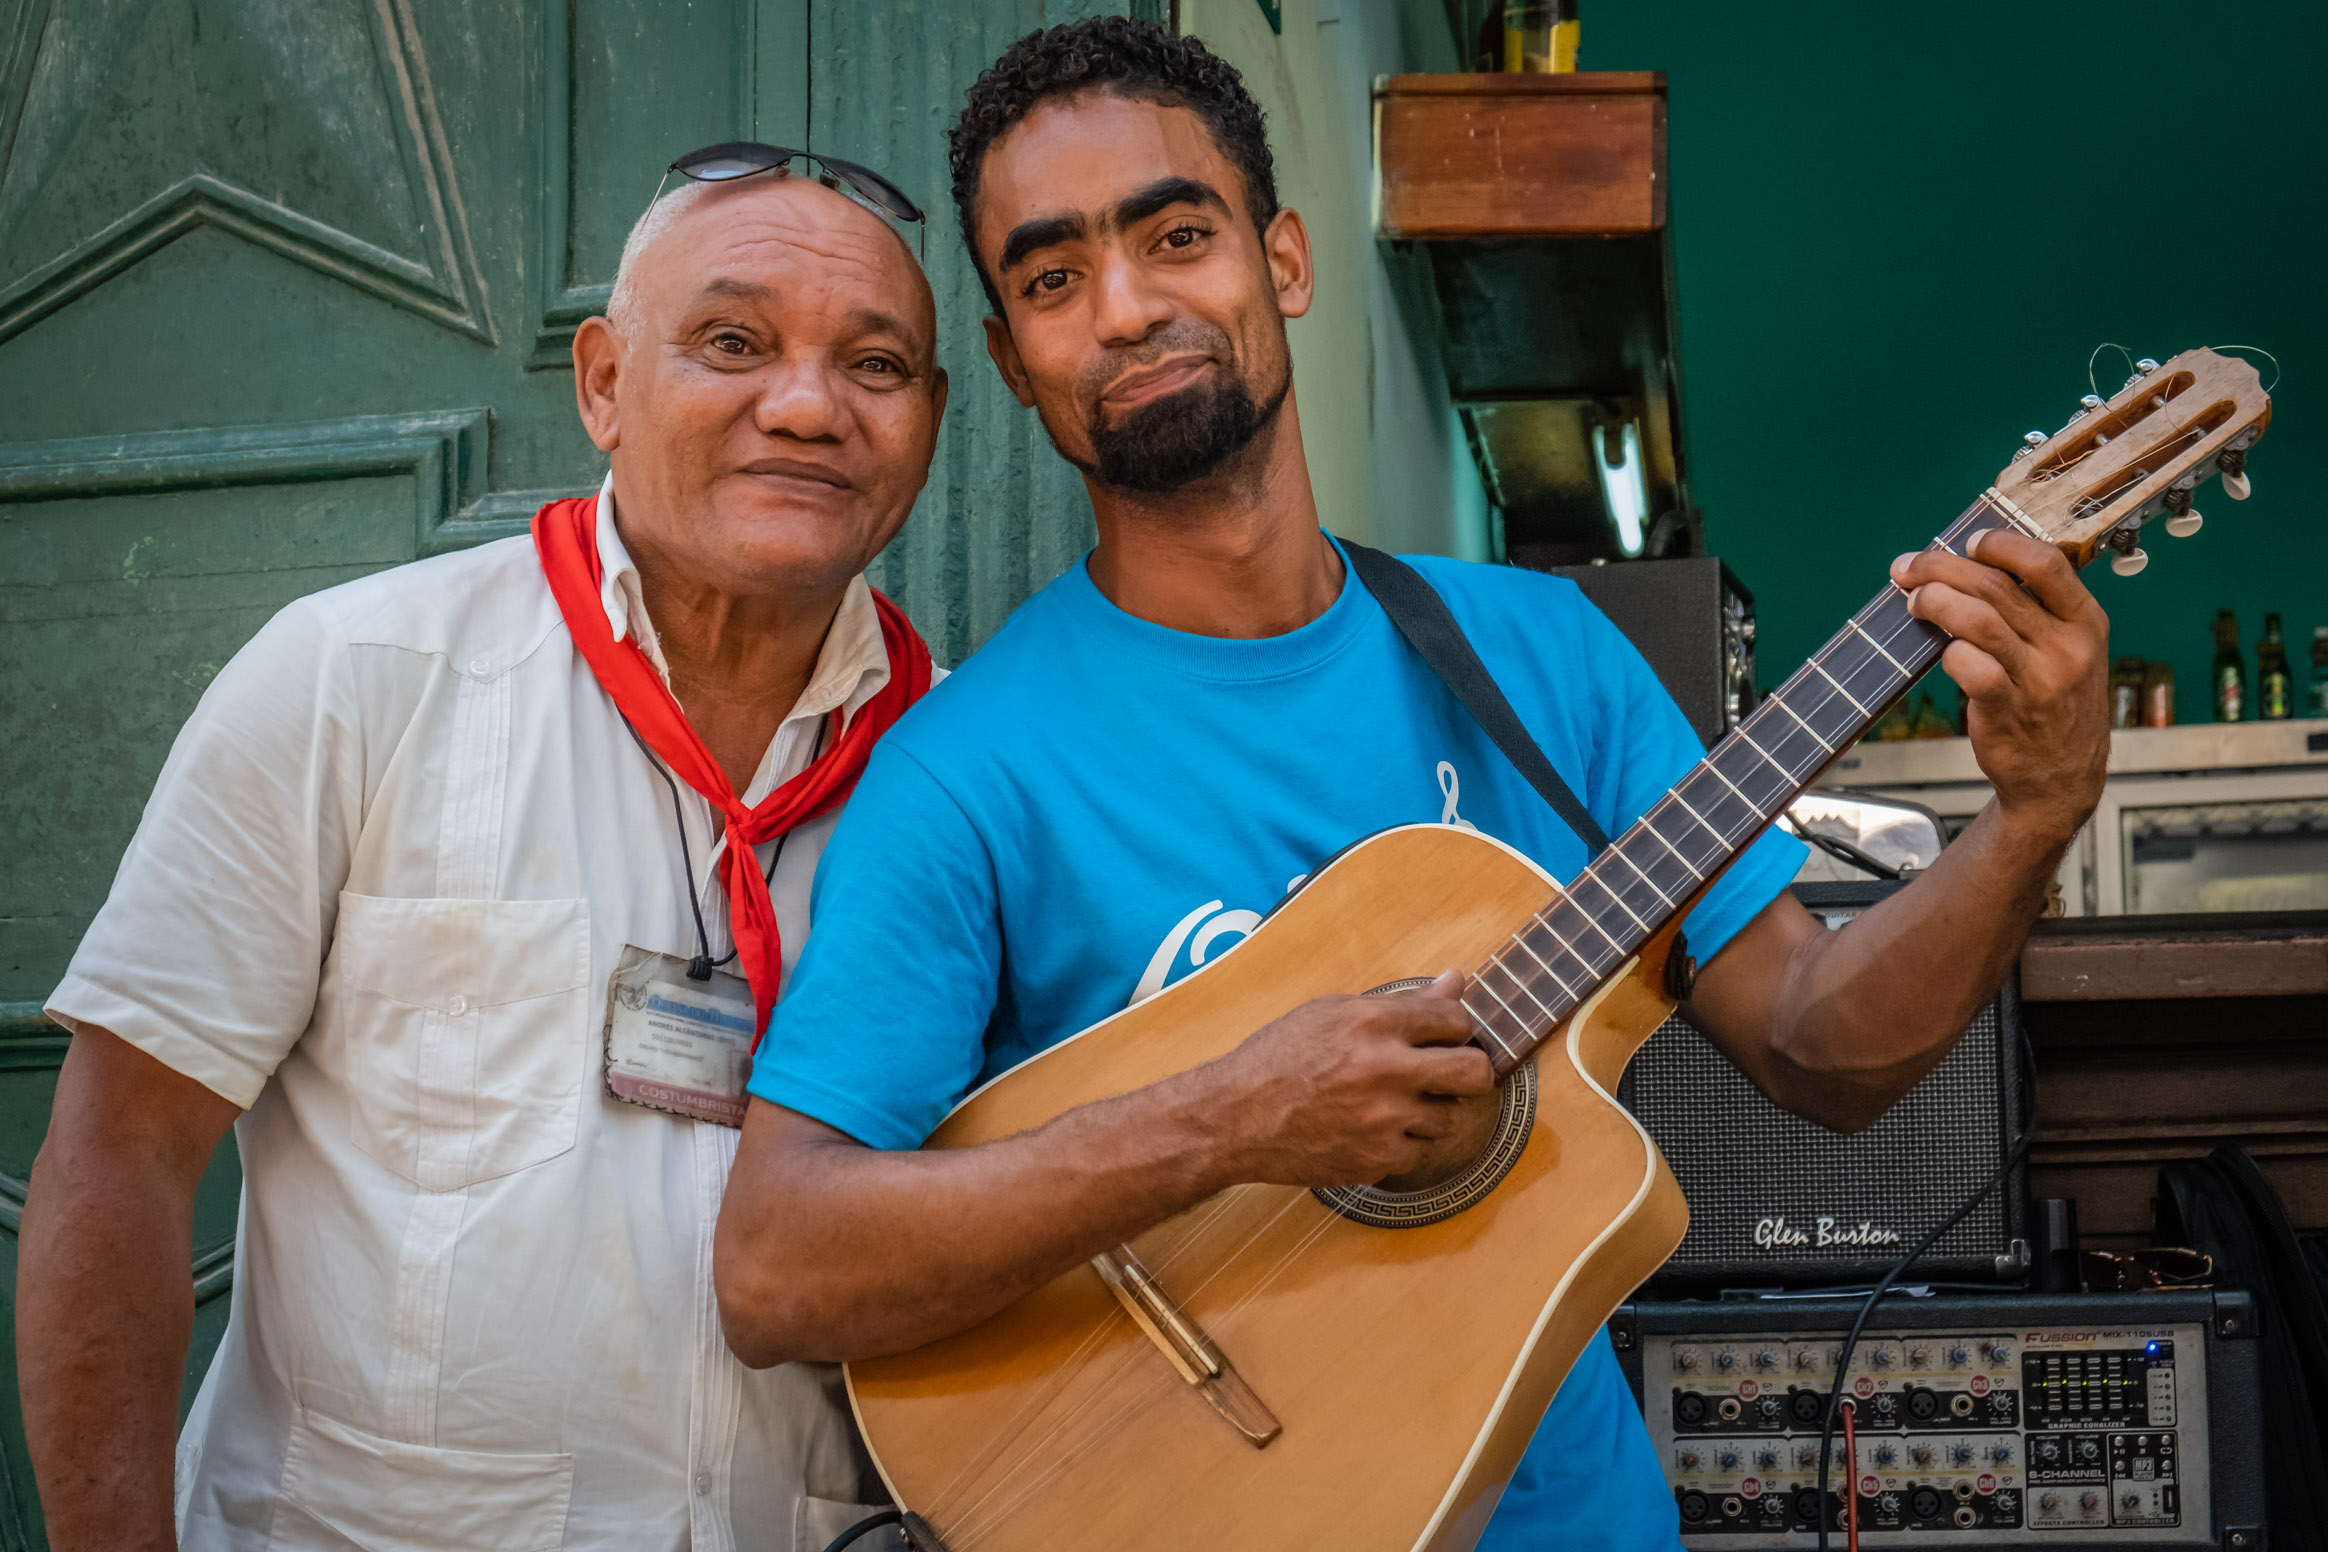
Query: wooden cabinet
x=1538, y=206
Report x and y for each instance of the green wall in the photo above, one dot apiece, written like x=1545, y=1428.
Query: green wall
x=1901, y=230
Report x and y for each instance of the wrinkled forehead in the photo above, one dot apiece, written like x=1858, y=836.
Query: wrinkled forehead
x=785, y=240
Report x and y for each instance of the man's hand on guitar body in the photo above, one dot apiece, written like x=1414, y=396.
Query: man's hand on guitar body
x=828, y=1249
x=1352, y=1090
x=2032, y=654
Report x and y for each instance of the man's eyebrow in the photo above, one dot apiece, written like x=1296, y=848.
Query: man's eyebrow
x=745, y=290
x=1163, y=194
x=1030, y=236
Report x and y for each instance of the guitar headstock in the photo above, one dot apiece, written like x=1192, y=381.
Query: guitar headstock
x=2139, y=454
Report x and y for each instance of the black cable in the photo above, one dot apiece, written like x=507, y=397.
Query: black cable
x=871, y=1522
x=1840, y=849
x=1890, y=1279
x=701, y=966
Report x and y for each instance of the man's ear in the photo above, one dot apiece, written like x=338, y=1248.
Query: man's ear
x=1004, y=352
x=598, y=354
x=939, y=384
x=1286, y=243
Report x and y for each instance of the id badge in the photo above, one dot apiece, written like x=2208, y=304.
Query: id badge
x=676, y=1044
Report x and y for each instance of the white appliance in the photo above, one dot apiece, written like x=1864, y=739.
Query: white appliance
x=2207, y=817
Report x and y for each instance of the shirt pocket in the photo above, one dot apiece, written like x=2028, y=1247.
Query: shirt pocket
x=462, y=1029
x=343, y=1489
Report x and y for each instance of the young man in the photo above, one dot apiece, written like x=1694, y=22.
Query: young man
x=1210, y=706
x=370, y=920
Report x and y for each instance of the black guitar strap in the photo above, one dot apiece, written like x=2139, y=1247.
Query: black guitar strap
x=1424, y=619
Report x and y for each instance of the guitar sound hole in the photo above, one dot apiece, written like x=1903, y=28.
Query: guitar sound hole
x=1407, y=1203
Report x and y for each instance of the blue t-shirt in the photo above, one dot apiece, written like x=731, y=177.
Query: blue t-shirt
x=1094, y=805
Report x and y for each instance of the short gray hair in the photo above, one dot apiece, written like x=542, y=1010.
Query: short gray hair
x=653, y=222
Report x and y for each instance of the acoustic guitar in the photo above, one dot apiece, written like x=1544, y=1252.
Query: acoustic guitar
x=1359, y=1369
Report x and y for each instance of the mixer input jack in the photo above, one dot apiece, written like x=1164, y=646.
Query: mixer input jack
x=1960, y=1404
x=1728, y=1409
x=1965, y=1518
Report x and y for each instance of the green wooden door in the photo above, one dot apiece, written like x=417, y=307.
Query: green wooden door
x=286, y=291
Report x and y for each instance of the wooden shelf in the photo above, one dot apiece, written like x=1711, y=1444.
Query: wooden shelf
x=1521, y=155
x=2123, y=958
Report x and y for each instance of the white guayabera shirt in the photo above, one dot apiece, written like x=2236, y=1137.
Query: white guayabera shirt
x=375, y=900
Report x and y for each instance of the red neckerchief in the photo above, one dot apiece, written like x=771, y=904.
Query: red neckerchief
x=566, y=536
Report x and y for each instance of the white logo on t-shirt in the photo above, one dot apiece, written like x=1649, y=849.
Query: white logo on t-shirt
x=1451, y=789
x=1167, y=953
x=1201, y=928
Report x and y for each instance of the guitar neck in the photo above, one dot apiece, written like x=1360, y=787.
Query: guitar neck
x=1563, y=954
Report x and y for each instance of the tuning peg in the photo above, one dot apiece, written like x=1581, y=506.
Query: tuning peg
x=2033, y=439
x=2144, y=367
x=2130, y=558
x=2091, y=402
x=2181, y=520
x=2235, y=482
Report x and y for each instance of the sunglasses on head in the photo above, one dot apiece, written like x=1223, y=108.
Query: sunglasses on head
x=743, y=158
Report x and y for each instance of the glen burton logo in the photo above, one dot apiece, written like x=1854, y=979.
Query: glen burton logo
x=1778, y=1234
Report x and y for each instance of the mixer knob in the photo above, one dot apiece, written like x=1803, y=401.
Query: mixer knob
x=2130, y=1502
x=2049, y=1501
x=1688, y=1461
x=1766, y=1460
x=2000, y=1454
x=1959, y=1356
x=1765, y=1359
x=1685, y=1358
x=1727, y=1460
x=1921, y=1454
x=1885, y=1455
x=1881, y=1358
x=1960, y=1454
x=2089, y=1450
x=1806, y=1457
x=1725, y=1360
x=1919, y=1357
x=1806, y=1359
x=1999, y=1353
x=2089, y=1500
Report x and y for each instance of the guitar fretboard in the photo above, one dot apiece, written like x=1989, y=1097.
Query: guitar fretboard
x=1562, y=954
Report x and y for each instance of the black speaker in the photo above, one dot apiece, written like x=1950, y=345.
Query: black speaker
x=1691, y=619
x=1775, y=1201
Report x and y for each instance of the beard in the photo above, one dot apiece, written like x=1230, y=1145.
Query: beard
x=1171, y=442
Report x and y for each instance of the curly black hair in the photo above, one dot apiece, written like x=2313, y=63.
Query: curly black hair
x=1123, y=58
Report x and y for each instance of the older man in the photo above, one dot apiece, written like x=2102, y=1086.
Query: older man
x=433, y=902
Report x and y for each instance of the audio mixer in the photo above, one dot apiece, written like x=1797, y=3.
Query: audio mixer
x=2012, y=1420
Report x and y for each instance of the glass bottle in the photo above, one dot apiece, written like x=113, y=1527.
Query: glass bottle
x=1539, y=37
x=2316, y=702
x=2230, y=674
x=2274, y=687
x=2158, y=695
x=2126, y=692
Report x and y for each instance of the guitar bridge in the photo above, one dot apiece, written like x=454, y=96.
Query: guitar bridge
x=1182, y=1341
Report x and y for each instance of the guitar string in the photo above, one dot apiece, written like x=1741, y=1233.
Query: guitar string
x=1229, y=1259
x=1022, y=1419
x=1728, y=839
x=1220, y=1324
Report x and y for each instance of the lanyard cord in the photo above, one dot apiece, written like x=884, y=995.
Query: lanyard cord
x=700, y=967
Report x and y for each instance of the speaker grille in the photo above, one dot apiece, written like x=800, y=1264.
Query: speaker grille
x=1778, y=1198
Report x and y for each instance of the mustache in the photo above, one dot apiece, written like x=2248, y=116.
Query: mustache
x=1186, y=336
